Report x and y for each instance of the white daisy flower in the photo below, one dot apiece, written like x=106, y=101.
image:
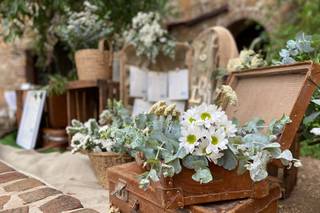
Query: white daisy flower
x=230, y=128
x=206, y=114
x=190, y=138
x=189, y=117
x=216, y=140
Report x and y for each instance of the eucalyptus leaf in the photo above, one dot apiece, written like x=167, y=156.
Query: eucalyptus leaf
x=228, y=160
x=153, y=175
x=194, y=162
x=202, y=175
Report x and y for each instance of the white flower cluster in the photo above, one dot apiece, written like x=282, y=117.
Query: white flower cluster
x=83, y=29
x=148, y=36
x=247, y=59
x=90, y=136
x=205, y=131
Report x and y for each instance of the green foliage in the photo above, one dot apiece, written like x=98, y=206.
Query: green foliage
x=20, y=17
x=122, y=11
x=10, y=140
x=41, y=20
x=56, y=85
x=83, y=29
x=304, y=17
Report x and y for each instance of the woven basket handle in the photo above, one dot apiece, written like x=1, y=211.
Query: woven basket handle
x=101, y=47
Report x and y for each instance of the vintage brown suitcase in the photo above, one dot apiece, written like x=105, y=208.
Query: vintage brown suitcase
x=269, y=93
x=179, y=191
x=268, y=204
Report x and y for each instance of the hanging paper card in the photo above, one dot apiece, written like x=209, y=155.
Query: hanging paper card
x=157, y=86
x=138, y=82
x=140, y=106
x=178, y=85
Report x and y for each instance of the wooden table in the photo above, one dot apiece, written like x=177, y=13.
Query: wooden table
x=87, y=99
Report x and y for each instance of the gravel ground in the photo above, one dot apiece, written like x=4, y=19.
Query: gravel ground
x=306, y=196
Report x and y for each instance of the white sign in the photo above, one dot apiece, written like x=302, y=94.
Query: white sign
x=178, y=85
x=31, y=117
x=138, y=82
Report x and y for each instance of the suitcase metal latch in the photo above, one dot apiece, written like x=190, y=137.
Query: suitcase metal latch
x=120, y=191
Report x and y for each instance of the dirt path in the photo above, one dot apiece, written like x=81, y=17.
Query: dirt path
x=306, y=196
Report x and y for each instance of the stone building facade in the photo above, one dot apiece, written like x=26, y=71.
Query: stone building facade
x=197, y=15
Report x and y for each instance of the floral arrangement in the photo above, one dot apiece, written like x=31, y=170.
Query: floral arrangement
x=100, y=137
x=148, y=37
x=299, y=49
x=247, y=59
x=163, y=141
x=84, y=29
x=204, y=135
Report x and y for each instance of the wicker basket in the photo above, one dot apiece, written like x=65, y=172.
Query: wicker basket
x=93, y=64
x=100, y=161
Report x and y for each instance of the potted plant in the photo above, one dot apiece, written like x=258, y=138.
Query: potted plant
x=97, y=139
x=82, y=31
x=56, y=91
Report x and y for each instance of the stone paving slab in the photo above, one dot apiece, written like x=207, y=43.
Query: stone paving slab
x=23, y=193
x=23, y=185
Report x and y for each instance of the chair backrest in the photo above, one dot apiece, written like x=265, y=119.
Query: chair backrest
x=271, y=92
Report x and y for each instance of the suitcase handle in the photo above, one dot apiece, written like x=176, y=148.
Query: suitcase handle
x=135, y=207
x=120, y=191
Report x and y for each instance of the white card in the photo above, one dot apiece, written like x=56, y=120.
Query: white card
x=179, y=85
x=140, y=106
x=138, y=82
x=157, y=86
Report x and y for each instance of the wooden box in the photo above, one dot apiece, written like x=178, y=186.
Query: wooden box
x=271, y=92
x=180, y=190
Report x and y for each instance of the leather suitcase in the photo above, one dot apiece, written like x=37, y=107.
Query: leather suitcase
x=179, y=191
x=271, y=92
x=268, y=204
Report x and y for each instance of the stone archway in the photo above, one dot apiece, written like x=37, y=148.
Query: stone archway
x=249, y=33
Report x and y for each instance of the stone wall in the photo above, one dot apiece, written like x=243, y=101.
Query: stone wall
x=268, y=13
x=13, y=68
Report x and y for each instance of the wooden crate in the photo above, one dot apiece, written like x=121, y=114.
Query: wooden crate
x=180, y=190
x=271, y=92
x=128, y=57
x=87, y=99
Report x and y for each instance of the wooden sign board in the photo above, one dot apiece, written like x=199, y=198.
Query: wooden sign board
x=31, y=117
